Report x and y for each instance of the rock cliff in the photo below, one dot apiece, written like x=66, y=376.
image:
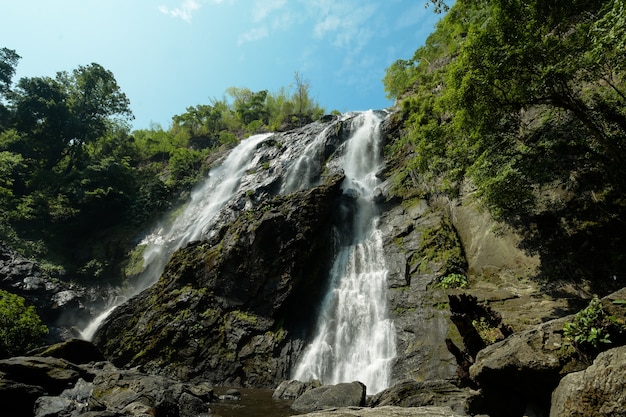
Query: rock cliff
x=234, y=309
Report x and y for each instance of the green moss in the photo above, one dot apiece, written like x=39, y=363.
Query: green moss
x=244, y=316
x=441, y=245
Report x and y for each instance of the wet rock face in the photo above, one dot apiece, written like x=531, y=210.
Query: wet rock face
x=420, y=314
x=234, y=309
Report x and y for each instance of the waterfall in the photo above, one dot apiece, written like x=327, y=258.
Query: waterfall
x=196, y=218
x=355, y=338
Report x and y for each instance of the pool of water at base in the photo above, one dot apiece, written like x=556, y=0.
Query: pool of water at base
x=252, y=403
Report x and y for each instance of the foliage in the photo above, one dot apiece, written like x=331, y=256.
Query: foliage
x=453, y=281
x=20, y=326
x=441, y=245
x=524, y=100
x=76, y=186
x=489, y=333
x=592, y=327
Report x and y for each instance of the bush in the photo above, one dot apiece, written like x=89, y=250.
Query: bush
x=453, y=281
x=20, y=326
x=592, y=327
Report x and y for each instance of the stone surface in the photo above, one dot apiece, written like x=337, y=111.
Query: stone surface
x=598, y=391
x=411, y=393
x=419, y=311
x=387, y=411
x=328, y=396
x=290, y=390
x=526, y=367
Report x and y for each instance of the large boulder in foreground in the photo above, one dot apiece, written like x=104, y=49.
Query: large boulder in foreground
x=49, y=386
x=386, y=411
x=412, y=393
x=598, y=391
x=520, y=372
x=328, y=396
x=235, y=308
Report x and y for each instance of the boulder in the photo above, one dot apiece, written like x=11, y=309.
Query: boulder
x=523, y=370
x=51, y=374
x=386, y=411
x=598, y=391
x=290, y=390
x=327, y=396
x=23, y=380
x=130, y=392
x=77, y=351
x=19, y=398
x=54, y=407
x=411, y=393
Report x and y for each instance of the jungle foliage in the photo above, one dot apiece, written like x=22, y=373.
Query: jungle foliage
x=77, y=186
x=20, y=326
x=525, y=101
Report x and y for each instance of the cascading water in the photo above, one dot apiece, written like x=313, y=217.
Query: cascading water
x=355, y=337
x=195, y=220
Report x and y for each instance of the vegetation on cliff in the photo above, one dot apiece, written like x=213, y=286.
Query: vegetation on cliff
x=526, y=101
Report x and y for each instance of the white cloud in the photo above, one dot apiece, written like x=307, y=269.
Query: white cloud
x=264, y=8
x=346, y=24
x=185, y=11
x=253, y=35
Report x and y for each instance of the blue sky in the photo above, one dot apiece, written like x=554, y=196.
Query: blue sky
x=167, y=55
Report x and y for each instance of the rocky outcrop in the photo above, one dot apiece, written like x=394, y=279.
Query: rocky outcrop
x=521, y=371
x=328, y=396
x=62, y=305
x=598, y=391
x=233, y=309
x=419, y=309
x=48, y=386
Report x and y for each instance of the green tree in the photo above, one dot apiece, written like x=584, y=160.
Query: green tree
x=8, y=63
x=21, y=328
x=94, y=99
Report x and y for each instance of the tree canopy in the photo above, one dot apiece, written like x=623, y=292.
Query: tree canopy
x=526, y=99
x=76, y=184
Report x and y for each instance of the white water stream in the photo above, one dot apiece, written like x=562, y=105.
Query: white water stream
x=355, y=338
x=196, y=218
